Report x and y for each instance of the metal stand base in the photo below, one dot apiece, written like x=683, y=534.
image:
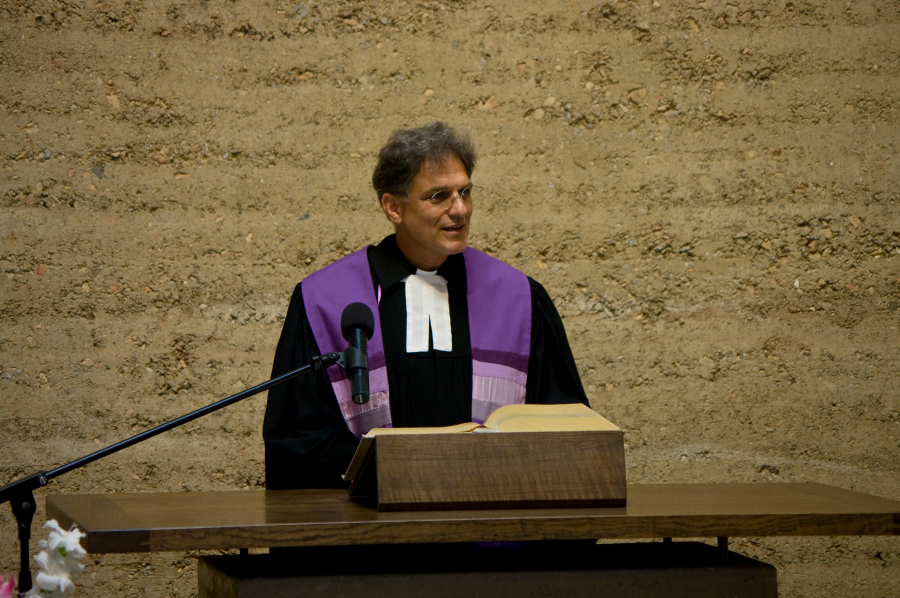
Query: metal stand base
x=23, y=507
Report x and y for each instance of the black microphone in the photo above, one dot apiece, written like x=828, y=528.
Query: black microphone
x=357, y=326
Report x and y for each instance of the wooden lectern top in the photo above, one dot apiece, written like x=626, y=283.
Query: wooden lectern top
x=260, y=518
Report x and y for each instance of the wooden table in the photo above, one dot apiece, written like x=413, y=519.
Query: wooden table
x=259, y=518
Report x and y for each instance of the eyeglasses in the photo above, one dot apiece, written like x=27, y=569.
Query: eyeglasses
x=444, y=198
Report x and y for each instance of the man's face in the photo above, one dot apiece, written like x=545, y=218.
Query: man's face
x=428, y=233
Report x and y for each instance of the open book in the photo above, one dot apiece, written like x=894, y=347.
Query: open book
x=570, y=417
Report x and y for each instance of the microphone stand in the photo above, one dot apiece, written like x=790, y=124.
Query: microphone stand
x=20, y=493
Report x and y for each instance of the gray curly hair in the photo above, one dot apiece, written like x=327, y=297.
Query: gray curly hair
x=408, y=150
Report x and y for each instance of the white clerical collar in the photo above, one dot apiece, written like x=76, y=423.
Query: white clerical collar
x=427, y=302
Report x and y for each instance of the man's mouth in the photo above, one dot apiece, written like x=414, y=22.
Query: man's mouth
x=454, y=228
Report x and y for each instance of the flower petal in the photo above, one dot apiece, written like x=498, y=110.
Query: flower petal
x=8, y=589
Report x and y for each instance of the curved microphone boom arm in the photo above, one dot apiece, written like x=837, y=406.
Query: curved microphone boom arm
x=20, y=493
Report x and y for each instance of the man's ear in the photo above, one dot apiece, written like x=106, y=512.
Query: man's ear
x=393, y=207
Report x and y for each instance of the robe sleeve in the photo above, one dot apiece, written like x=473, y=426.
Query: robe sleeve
x=552, y=373
x=307, y=442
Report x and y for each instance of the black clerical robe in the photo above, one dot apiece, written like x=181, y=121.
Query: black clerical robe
x=308, y=444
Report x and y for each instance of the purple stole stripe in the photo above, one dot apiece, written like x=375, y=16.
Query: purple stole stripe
x=494, y=370
x=327, y=292
x=499, y=299
x=325, y=295
x=499, y=303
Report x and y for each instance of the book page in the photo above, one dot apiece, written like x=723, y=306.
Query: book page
x=359, y=458
x=573, y=417
x=457, y=429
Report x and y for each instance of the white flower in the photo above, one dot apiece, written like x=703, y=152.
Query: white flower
x=67, y=544
x=58, y=562
x=48, y=583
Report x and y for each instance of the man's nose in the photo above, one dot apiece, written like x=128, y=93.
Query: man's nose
x=457, y=205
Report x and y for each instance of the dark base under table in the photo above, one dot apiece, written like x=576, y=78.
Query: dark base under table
x=485, y=570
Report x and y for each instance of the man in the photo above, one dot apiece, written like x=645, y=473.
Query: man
x=458, y=333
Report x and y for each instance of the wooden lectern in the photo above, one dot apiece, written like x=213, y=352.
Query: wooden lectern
x=502, y=470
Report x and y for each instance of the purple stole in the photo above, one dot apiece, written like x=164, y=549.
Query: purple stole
x=499, y=303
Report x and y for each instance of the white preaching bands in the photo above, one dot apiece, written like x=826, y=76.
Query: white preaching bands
x=427, y=303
